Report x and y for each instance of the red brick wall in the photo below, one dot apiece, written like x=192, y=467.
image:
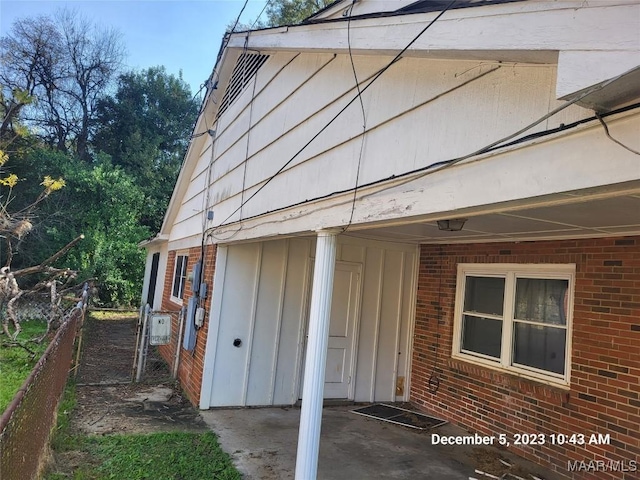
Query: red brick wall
x=191, y=363
x=604, y=395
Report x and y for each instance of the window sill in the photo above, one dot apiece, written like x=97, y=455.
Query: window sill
x=176, y=300
x=475, y=366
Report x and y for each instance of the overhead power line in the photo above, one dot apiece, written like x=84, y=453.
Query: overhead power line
x=342, y=110
x=417, y=173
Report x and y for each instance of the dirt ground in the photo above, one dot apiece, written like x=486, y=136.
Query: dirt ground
x=107, y=401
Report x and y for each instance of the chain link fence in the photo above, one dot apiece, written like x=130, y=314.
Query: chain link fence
x=157, y=354
x=26, y=424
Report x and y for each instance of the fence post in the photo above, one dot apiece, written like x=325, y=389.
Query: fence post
x=176, y=362
x=143, y=343
x=134, y=367
x=82, y=306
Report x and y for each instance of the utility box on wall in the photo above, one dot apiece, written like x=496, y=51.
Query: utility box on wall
x=160, y=333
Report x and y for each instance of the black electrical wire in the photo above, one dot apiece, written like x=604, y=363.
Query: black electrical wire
x=606, y=131
x=251, y=103
x=342, y=110
x=433, y=384
x=260, y=14
x=239, y=15
x=364, y=119
x=210, y=79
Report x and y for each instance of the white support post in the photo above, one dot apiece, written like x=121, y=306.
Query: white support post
x=318, y=339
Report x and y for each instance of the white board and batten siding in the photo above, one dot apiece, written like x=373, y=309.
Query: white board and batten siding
x=263, y=303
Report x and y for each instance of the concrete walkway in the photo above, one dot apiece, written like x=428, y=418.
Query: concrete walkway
x=262, y=442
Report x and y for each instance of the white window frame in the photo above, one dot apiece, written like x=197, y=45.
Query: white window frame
x=183, y=278
x=510, y=272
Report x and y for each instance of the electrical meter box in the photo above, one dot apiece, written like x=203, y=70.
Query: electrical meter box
x=160, y=333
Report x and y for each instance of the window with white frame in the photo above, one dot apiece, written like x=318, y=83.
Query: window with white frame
x=516, y=318
x=179, y=278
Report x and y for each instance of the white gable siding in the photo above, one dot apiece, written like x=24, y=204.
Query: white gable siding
x=407, y=128
x=419, y=112
x=188, y=221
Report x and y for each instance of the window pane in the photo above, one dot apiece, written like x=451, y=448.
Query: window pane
x=484, y=295
x=482, y=335
x=183, y=271
x=542, y=300
x=177, y=276
x=539, y=347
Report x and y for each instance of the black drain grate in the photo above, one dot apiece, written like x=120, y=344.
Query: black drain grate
x=400, y=416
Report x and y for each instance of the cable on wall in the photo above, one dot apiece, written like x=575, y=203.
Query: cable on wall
x=207, y=196
x=526, y=128
x=369, y=128
x=209, y=82
x=251, y=103
x=606, y=131
x=433, y=384
x=364, y=119
x=210, y=166
x=373, y=183
x=341, y=111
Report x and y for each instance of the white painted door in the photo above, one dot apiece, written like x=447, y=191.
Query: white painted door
x=340, y=351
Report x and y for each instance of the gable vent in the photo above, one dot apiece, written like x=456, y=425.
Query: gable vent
x=246, y=67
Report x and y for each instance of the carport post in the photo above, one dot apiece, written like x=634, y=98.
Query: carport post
x=318, y=339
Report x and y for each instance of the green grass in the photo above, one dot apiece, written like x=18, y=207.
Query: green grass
x=16, y=363
x=158, y=456
x=162, y=456
x=62, y=439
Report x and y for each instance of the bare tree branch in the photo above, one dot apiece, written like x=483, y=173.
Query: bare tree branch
x=44, y=266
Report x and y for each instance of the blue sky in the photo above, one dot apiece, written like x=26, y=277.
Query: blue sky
x=181, y=35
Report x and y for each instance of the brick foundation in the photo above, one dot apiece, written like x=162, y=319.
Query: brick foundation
x=604, y=395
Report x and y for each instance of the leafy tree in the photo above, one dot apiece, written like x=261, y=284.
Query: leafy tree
x=17, y=210
x=25, y=60
x=53, y=72
x=56, y=109
x=281, y=12
x=16, y=214
x=145, y=129
x=110, y=222
x=99, y=201
x=291, y=12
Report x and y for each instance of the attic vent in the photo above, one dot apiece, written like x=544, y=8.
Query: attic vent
x=246, y=67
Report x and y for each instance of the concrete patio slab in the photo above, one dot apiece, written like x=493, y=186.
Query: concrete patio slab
x=262, y=442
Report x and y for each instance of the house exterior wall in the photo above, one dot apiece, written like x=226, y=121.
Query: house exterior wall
x=604, y=392
x=264, y=304
x=414, y=119
x=261, y=303
x=191, y=363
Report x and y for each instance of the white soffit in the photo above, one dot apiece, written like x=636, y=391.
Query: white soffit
x=593, y=218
